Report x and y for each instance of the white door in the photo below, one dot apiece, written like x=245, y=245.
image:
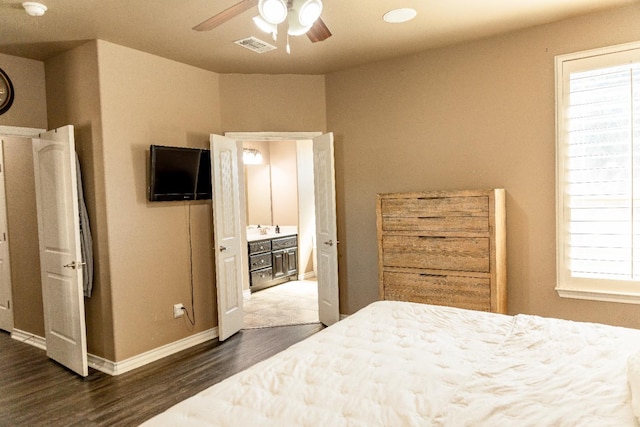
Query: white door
x=59, y=236
x=326, y=230
x=227, y=236
x=6, y=302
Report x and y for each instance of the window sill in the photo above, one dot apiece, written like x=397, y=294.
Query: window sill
x=600, y=295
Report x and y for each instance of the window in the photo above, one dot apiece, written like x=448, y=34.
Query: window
x=598, y=174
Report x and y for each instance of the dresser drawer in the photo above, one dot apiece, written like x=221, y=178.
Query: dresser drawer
x=284, y=242
x=259, y=261
x=438, y=253
x=468, y=214
x=258, y=277
x=259, y=246
x=456, y=291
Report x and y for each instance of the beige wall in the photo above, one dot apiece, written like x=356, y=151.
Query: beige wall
x=284, y=182
x=22, y=224
x=73, y=97
x=29, y=108
x=280, y=103
x=258, y=186
x=150, y=100
x=478, y=115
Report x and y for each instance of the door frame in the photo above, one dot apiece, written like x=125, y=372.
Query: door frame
x=6, y=306
x=268, y=136
x=27, y=134
x=20, y=131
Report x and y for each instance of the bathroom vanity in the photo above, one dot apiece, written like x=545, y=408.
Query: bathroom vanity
x=273, y=258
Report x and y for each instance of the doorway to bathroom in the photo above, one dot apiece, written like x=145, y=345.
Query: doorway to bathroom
x=279, y=195
x=230, y=225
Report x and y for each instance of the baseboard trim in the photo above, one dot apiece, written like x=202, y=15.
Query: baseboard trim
x=116, y=368
x=29, y=338
x=307, y=276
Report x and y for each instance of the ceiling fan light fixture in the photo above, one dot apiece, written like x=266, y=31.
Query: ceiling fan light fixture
x=295, y=27
x=265, y=26
x=308, y=11
x=273, y=11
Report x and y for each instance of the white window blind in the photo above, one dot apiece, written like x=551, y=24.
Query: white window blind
x=598, y=174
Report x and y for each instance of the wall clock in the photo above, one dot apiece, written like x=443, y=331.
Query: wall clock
x=6, y=92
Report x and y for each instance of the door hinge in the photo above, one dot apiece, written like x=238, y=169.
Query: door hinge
x=9, y=305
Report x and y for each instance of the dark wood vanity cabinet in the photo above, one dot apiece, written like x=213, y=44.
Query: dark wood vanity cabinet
x=285, y=262
x=272, y=261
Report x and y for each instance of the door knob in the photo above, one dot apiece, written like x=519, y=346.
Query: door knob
x=223, y=248
x=329, y=243
x=75, y=265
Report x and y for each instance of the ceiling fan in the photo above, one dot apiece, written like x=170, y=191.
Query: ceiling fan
x=302, y=16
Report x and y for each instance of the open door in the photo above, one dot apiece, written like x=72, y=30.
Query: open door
x=60, y=257
x=227, y=235
x=326, y=230
x=6, y=304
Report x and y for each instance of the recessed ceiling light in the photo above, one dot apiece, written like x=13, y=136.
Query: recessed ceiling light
x=398, y=16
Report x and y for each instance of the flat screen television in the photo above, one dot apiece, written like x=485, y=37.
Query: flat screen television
x=179, y=173
x=203, y=187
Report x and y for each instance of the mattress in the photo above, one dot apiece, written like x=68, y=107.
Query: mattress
x=407, y=364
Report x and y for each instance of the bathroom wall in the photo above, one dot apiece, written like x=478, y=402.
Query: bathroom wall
x=258, y=186
x=284, y=183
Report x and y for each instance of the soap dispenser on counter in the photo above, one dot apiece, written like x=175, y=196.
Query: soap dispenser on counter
x=277, y=229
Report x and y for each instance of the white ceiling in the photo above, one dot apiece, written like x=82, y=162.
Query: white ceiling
x=164, y=28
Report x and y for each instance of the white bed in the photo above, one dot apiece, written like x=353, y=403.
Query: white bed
x=407, y=364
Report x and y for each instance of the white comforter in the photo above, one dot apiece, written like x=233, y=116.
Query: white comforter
x=405, y=364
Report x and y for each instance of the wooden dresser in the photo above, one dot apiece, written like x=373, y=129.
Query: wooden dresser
x=443, y=248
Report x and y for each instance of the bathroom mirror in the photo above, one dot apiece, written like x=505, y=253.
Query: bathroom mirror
x=272, y=186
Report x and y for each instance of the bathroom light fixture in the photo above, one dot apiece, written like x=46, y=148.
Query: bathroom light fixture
x=251, y=156
x=34, y=9
x=398, y=16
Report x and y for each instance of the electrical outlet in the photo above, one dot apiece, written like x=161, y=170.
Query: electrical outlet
x=177, y=310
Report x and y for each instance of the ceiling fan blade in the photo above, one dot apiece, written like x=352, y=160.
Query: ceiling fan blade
x=225, y=15
x=318, y=31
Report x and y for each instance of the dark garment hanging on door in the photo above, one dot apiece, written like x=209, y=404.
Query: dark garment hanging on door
x=86, y=243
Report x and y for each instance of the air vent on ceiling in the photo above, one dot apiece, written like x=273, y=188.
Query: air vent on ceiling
x=255, y=44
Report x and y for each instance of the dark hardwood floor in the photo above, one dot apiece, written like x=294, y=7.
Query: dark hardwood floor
x=35, y=391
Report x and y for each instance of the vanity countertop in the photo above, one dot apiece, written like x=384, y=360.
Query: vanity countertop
x=253, y=234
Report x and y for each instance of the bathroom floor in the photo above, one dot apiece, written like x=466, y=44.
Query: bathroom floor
x=291, y=303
